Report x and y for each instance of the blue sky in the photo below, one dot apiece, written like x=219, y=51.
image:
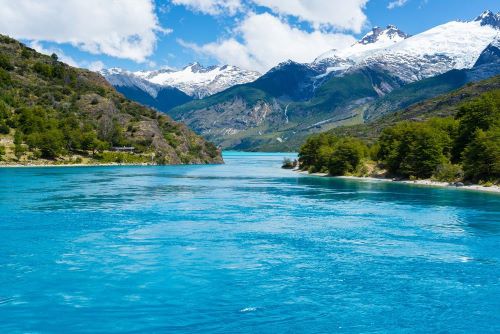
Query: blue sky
x=255, y=34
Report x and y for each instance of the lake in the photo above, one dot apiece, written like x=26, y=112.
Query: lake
x=244, y=247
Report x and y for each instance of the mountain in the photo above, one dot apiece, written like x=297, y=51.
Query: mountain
x=165, y=89
x=375, y=41
x=383, y=72
x=454, y=45
x=162, y=98
x=487, y=65
x=444, y=105
x=198, y=81
x=54, y=113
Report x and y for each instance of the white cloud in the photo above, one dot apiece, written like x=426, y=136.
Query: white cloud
x=266, y=40
x=93, y=66
x=396, y=3
x=340, y=14
x=119, y=28
x=50, y=50
x=211, y=7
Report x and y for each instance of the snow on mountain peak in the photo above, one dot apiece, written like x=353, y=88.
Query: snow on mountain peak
x=119, y=77
x=194, y=79
x=489, y=18
x=376, y=39
x=391, y=33
x=453, y=45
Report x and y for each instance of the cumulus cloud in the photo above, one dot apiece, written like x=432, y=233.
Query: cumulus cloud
x=120, y=28
x=265, y=40
x=93, y=66
x=396, y=3
x=340, y=14
x=211, y=7
x=50, y=50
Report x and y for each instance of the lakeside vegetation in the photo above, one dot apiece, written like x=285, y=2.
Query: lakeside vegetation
x=52, y=113
x=463, y=148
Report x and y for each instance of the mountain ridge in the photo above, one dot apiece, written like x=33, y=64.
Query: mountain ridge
x=293, y=99
x=194, y=79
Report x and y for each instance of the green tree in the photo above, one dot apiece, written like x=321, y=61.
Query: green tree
x=315, y=154
x=19, y=150
x=50, y=143
x=348, y=154
x=416, y=149
x=425, y=152
x=482, y=156
x=481, y=114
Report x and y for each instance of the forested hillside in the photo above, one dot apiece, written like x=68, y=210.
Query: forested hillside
x=53, y=113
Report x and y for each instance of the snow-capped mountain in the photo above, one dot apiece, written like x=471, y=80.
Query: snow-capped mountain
x=194, y=80
x=454, y=45
x=377, y=39
x=162, y=98
x=198, y=81
x=121, y=78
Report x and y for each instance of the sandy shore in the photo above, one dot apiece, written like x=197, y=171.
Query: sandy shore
x=426, y=183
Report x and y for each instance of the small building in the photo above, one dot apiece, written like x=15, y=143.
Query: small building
x=129, y=149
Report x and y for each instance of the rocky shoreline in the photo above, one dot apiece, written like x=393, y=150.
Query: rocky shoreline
x=426, y=183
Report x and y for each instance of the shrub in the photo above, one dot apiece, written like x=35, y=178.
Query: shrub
x=4, y=128
x=448, y=172
x=5, y=63
x=289, y=163
x=43, y=69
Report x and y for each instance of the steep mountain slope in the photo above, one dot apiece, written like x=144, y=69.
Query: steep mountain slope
x=444, y=105
x=487, y=65
x=56, y=113
x=162, y=98
x=248, y=118
x=383, y=72
x=454, y=45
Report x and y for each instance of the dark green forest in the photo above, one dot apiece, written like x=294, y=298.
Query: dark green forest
x=461, y=148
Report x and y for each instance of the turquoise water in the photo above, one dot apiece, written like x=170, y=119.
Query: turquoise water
x=242, y=248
